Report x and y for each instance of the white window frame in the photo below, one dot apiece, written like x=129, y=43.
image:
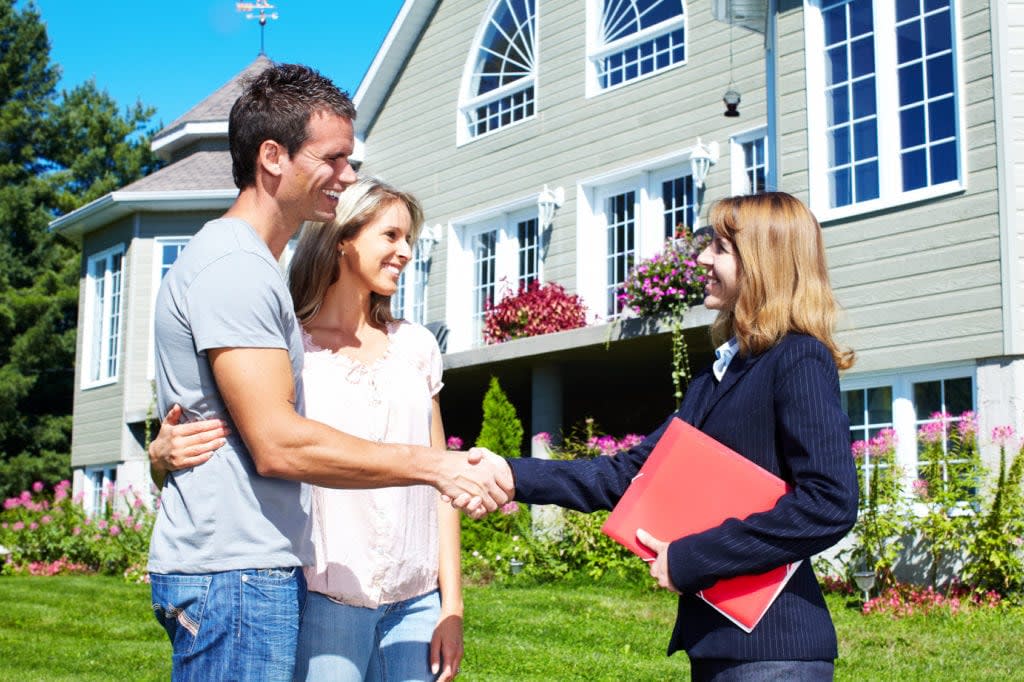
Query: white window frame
x=97, y=479
x=158, y=266
x=738, y=170
x=410, y=300
x=904, y=415
x=591, y=243
x=460, y=314
x=110, y=314
x=469, y=101
x=891, y=193
x=598, y=49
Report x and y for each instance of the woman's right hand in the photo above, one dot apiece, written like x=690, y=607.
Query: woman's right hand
x=180, y=446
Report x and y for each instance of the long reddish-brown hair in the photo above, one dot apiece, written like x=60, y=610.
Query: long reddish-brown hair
x=782, y=274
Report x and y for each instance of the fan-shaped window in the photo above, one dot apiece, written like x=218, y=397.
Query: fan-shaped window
x=498, y=86
x=631, y=39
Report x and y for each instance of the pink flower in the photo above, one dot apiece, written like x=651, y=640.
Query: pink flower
x=932, y=432
x=101, y=524
x=33, y=526
x=543, y=437
x=967, y=427
x=115, y=530
x=77, y=530
x=509, y=508
x=921, y=488
x=859, y=448
x=37, y=487
x=12, y=502
x=46, y=519
x=629, y=440
x=1002, y=435
x=454, y=443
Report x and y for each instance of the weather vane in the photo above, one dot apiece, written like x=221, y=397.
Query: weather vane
x=261, y=7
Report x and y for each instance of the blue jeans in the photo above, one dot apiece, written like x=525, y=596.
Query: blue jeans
x=340, y=643
x=721, y=670
x=237, y=625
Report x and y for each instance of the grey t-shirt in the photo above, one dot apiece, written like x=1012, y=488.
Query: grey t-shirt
x=224, y=291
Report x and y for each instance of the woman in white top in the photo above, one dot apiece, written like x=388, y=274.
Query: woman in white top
x=385, y=593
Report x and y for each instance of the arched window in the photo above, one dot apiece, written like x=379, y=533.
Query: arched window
x=498, y=87
x=630, y=39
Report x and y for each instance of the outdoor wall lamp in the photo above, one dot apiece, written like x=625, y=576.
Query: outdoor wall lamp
x=430, y=236
x=732, y=102
x=701, y=159
x=547, y=202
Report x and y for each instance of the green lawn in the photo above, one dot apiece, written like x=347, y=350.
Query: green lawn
x=98, y=628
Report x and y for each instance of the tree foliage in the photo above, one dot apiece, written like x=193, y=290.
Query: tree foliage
x=501, y=431
x=58, y=151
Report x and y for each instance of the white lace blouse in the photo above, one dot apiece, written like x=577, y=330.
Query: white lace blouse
x=380, y=546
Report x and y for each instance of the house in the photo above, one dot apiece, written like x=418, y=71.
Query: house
x=895, y=122
x=555, y=140
x=129, y=239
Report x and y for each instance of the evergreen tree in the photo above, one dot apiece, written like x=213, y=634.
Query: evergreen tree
x=501, y=431
x=56, y=154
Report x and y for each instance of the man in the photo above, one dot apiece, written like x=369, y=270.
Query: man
x=232, y=534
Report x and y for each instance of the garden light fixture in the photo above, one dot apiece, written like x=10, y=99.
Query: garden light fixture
x=865, y=580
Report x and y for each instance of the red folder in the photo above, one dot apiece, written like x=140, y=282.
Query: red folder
x=690, y=483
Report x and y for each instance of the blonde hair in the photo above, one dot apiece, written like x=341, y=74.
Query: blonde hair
x=314, y=266
x=782, y=275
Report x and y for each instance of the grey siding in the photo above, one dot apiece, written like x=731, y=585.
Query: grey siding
x=921, y=283
x=138, y=389
x=96, y=432
x=413, y=141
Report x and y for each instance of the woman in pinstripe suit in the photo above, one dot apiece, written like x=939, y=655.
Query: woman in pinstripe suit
x=773, y=396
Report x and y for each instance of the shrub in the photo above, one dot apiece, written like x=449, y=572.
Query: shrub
x=501, y=431
x=49, y=533
x=883, y=514
x=950, y=487
x=533, y=310
x=491, y=545
x=995, y=547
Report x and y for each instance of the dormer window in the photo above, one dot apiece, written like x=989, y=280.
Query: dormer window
x=631, y=39
x=498, y=86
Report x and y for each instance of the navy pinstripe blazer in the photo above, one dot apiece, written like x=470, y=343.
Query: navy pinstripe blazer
x=782, y=410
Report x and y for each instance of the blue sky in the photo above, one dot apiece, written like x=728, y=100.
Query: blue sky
x=172, y=55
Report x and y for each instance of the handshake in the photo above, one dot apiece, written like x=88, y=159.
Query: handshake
x=476, y=481
x=479, y=481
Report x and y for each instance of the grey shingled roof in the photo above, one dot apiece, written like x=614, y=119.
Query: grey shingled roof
x=217, y=106
x=201, y=170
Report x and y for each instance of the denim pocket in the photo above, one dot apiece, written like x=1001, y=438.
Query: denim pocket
x=179, y=602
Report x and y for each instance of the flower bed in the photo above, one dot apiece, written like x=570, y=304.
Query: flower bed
x=49, y=533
